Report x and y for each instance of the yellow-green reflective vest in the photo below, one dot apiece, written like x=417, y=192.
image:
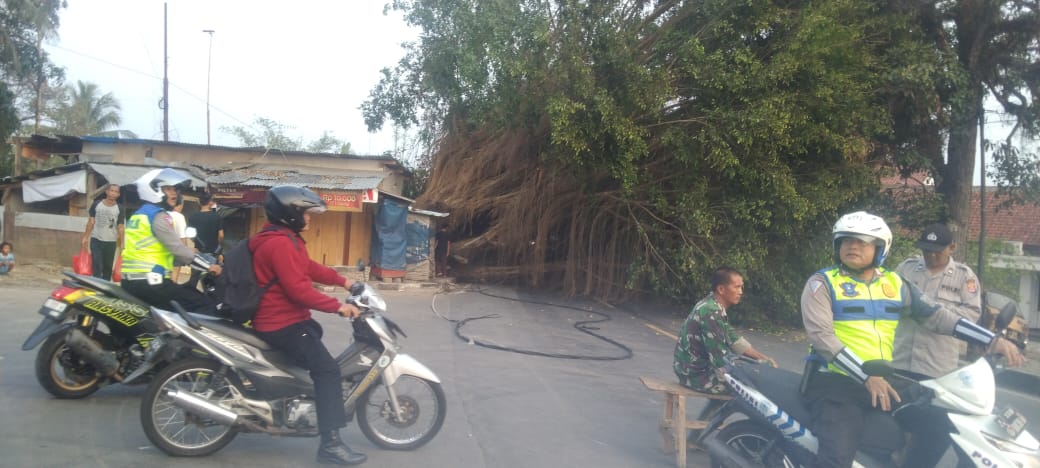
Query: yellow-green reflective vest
x=142, y=252
x=865, y=314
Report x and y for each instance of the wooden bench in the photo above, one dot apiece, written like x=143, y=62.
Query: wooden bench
x=674, y=424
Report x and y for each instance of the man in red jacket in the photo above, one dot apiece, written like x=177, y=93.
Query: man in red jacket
x=284, y=317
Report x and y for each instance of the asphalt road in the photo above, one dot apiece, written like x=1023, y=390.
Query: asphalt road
x=504, y=409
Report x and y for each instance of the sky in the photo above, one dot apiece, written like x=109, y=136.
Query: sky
x=308, y=64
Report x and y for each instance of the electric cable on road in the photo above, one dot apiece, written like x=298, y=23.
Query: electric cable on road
x=582, y=326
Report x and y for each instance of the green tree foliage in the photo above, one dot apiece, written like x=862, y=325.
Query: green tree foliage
x=973, y=48
x=268, y=133
x=83, y=111
x=24, y=66
x=625, y=146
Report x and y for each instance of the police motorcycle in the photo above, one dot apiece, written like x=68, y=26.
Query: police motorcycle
x=225, y=380
x=774, y=431
x=94, y=334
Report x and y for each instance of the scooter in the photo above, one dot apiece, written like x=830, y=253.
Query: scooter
x=224, y=380
x=774, y=432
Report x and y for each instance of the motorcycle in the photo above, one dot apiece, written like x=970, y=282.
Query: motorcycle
x=94, y=334
x=225, y=380
x=774, y=431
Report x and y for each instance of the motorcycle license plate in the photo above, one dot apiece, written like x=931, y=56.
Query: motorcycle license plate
x=1011, y=421
x=52, y=308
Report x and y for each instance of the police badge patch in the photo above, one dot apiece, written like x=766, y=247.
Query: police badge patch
x=849, y=289
x=971, y=286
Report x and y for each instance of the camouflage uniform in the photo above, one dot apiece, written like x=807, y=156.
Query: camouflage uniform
x=704, y=341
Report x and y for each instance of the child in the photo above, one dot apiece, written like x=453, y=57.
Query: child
x=6, y=258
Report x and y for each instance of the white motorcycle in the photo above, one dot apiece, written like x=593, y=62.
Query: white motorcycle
x=223, y=380
x=775, y=434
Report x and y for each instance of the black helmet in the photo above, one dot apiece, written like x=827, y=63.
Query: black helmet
x=286, y=204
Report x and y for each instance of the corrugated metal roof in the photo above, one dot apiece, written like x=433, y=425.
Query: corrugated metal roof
x=123, y=174
x=344, y=180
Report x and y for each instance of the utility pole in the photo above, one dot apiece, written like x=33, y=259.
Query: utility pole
x=165, y=84
x=209, y=68
x=982, y=193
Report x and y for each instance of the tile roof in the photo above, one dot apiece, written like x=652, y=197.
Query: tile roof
x=1015, y=223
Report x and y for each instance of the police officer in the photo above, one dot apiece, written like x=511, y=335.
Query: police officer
x=850, y=312
x=152, y=246
x=953, y=285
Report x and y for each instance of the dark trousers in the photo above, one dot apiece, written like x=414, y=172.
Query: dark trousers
x=160, y=296
x=103, y=256
x=302, y=342
x=838, y=406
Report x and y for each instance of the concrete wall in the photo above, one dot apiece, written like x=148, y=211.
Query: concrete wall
x=52, y=238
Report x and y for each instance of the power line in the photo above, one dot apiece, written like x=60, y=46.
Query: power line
x=149, y=75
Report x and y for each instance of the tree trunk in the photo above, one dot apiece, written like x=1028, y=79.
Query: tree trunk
x=956, y=186
x=957, y=176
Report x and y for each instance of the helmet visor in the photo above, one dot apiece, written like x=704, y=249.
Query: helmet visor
x=862, y=237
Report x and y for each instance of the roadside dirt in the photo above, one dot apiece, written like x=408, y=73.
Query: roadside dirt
x=34, y=274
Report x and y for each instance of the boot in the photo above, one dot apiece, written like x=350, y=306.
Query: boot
x=333, y=450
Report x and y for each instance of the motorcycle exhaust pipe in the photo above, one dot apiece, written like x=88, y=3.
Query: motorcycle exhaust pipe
x=726, y=455
x=203, y=408
x=91, y=351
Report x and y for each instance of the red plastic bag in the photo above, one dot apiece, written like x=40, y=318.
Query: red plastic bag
x=82, y=264
x=117, y=269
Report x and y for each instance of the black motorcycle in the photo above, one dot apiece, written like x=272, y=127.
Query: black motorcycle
x=94, y=334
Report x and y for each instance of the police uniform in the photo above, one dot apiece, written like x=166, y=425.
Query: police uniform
x=957, y=288
x=849, y=321
x=151, y=248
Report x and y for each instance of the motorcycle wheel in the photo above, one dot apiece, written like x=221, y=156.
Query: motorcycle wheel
x=423, y=407
x=176, y=430
x=62, y=373
x=758, y=445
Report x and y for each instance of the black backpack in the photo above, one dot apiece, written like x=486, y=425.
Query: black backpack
x=237, y=280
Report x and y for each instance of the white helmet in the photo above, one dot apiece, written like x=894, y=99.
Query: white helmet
x=149, y=186
x=867, y=228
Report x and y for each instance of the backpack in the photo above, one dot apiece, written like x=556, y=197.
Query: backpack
x=240, y=290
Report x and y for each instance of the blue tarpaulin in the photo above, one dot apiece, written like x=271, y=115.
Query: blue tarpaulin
x=389, y=241
x=418, y=235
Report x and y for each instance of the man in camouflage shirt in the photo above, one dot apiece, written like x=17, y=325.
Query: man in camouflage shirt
x=706, y=337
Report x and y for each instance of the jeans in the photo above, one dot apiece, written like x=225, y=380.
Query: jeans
x=103, y=256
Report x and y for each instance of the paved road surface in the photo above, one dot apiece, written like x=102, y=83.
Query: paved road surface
x=504, y=409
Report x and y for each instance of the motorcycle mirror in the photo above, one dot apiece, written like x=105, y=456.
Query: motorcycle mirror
x=878, y=368
x=357, y=288
x=1006, y=315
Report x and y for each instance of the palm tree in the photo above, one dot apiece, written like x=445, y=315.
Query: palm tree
x=85, y=111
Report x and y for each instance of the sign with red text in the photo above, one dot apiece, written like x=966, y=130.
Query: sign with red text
x=342, y=201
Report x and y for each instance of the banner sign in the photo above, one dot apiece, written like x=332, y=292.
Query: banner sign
x=231, y=195
x=342, y=201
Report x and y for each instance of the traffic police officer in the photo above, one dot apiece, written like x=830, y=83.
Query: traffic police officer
x=953, y=285
x=850, y=312
x=153, y=246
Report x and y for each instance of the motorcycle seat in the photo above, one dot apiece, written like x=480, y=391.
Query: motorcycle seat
x=107, y=287
x=882, y=432
x=234, y=330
